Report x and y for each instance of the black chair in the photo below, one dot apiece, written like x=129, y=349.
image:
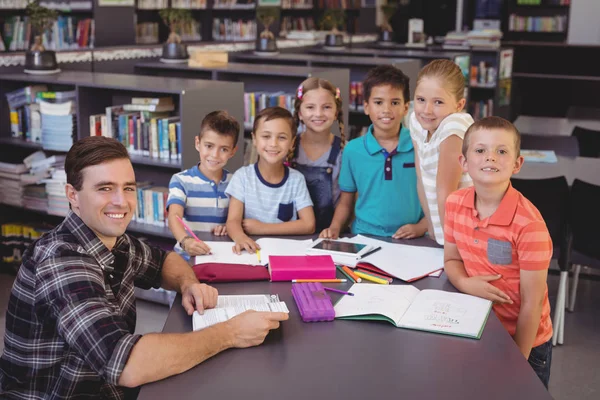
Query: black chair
x=589, y=141
x=562, y=145
x=551, y=197
x=584, y=240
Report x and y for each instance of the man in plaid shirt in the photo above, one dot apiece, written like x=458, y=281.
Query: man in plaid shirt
x=71, y=316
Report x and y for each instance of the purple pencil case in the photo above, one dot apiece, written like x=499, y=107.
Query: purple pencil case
x=312, y=301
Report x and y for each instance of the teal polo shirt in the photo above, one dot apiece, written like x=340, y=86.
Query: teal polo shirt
x=386, y=184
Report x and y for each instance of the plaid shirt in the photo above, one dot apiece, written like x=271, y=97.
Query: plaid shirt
x=71, y=315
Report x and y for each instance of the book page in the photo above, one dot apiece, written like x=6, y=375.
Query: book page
x=391, y=301
x=230, y=306
x=446, y=312
x=282, y=247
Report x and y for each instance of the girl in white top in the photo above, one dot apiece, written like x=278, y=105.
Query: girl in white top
x=437, y=128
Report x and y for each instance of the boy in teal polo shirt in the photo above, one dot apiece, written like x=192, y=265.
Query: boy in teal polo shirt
x=379, y=167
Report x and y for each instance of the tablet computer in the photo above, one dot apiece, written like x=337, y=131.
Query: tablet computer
x=331, y=246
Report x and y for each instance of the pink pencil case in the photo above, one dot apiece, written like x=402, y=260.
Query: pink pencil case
x=313, y=302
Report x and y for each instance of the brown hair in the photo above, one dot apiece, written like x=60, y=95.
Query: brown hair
x=222, y=123
x=316, y=83
x=383, y=75
x=448, y=73
x=271, y=113
x=489, y=123
x=91, y=150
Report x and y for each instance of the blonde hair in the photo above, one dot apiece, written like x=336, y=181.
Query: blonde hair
x=449, y=73
x=311, y=84
x=489, y=123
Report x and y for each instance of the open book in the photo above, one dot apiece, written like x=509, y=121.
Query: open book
x=230, y=306
x=221, y=252
x=405, y=306
x=543, y=156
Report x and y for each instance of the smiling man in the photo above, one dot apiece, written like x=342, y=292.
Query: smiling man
x=71, y=316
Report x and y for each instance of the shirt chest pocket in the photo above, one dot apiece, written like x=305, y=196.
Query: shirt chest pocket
x=286, y=211
x=499, y=252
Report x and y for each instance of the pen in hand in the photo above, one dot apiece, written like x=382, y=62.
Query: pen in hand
x=191, y=232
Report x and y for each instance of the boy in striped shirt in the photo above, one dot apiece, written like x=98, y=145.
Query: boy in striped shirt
x=497, y=245
x=197, y=195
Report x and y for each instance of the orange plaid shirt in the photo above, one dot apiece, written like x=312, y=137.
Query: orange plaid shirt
x=515, y=237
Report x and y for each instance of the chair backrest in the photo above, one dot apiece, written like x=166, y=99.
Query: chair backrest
x=584, y=218
x=551, y=198
x=562, y=145
x=589, y=141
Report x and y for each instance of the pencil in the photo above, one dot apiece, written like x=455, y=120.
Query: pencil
x=338, y=291
x=351, y=273
x=187, y=228
x=372, y=278
x=320, y=280
x=376, y=275
x=258, y=254
x=345, y=274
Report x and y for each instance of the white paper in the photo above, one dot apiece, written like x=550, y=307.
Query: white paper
x=455, y=313
x=222, y=252
x=403, y=261
x=230, y=306
x=391, y=301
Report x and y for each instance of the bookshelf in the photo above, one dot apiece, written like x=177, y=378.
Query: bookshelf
x=74, y=28
x=358, y=68
x=193, y=99
x=537, y=20
x=255, y=78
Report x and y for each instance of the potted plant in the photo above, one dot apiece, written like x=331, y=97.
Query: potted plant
x=38, y=60
x=333, y=19
x=266, y=43
x=386, y=35
x=175, y=19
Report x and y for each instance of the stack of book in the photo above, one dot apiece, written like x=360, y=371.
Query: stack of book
x=456, y=41
x=145, y=127
x=189, y=4
x=484, y=38
x=15, y=239
x=59, y=119
x=254, y=102
x=10, y=181
x=25, y=118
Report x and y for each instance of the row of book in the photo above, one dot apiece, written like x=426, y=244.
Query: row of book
x=44, y=117
x=152, y=4
x=147, y=32
x=481, y=109
x=67, y=33
x=151, y=204
x=483, y=74
x=297, y=4
x=226, y=29
x=145, y=127
x=343, y=4
x=518, y=23
x=51, y=4
x=189, y=4
x=16, y=237
x=256, y=101
x=545, y=2
x=297, y=24
x=356, y=99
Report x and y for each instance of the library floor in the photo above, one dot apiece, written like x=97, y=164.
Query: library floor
x=575, y=368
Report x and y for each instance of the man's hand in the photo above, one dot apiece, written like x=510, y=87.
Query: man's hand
x=220, y=230
x=245, y=244
x=251, y=327
x=198, y=296
x=409, y=231
x=479, y=286
x=195, y=247
x=332, y=232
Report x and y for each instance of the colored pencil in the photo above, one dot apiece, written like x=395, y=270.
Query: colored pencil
x=258, y=255
x=376, y=275
x=188, y=229
x=351, y=273
x=372, y=278
x=338, y=291
x=320, y=280
x=339, y=267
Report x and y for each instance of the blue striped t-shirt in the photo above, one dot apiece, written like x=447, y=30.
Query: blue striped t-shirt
x=266, y=202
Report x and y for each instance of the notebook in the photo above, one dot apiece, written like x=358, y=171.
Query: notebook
x=401, y=261
x=542, y=156
x=221, y=252
x=230, y=306
x=286, y=268
x=405, y=306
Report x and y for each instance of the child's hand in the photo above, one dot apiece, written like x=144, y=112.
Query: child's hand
x=220, y=230
x=252, y=226
x=330, y=233
x=195, y=248
x=245, y=244
x=479, y=286
x=409, y=231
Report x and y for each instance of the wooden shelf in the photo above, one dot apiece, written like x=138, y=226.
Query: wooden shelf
x=556, y=76
x=20, y=143
x=149, y=229
x=155, y=162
